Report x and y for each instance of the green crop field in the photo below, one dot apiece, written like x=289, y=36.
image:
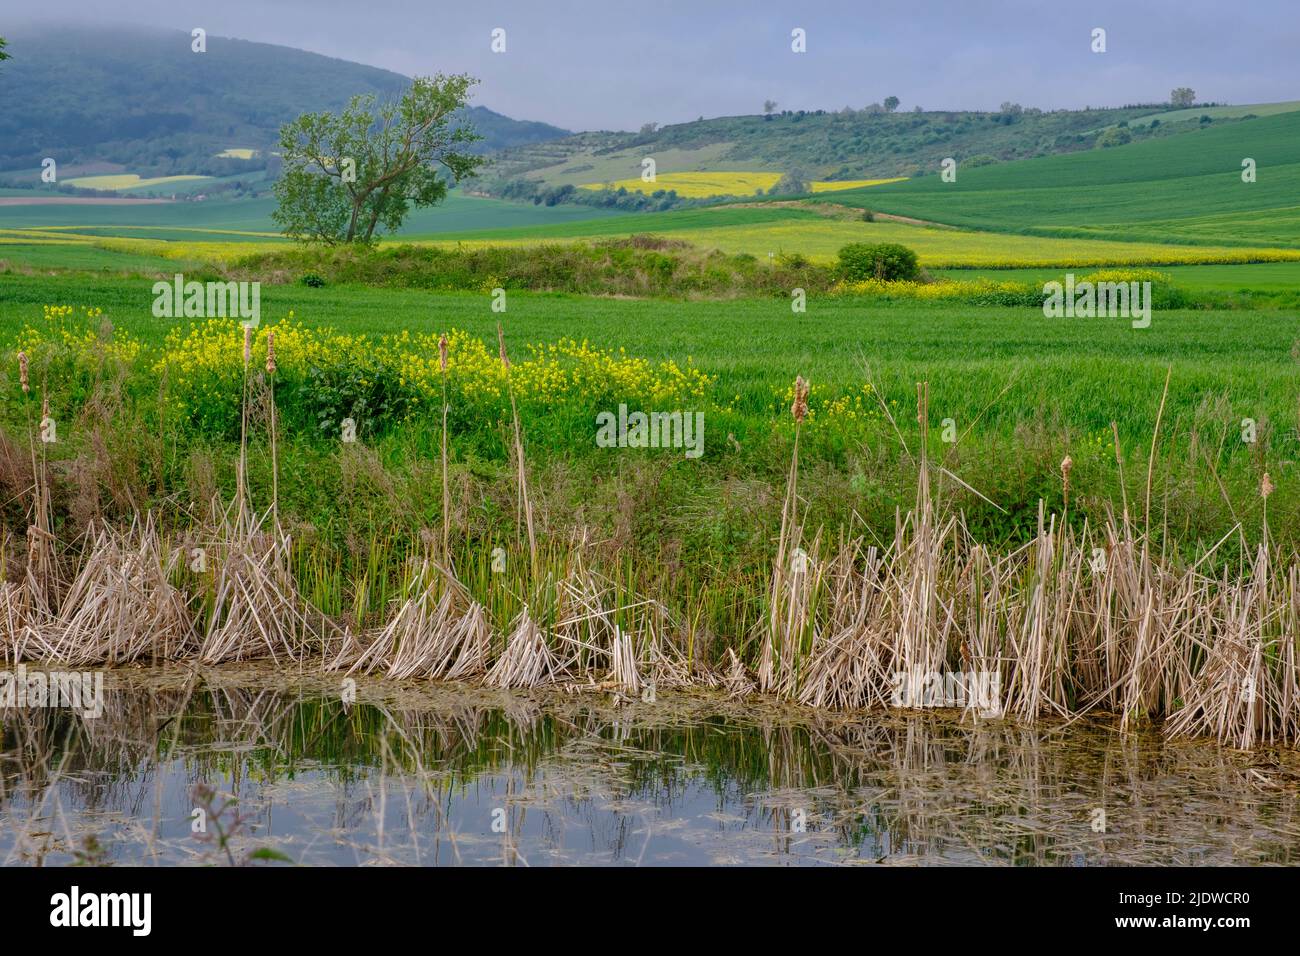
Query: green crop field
x=1022, y=390
x=223, y=217
x=78, y=257
x=1220, y=112
x=758, y=230
x=1082, y=373
x=1186, y=188
x=1255, y=277
x=234, y=229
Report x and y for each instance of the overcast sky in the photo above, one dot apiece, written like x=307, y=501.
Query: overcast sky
x=615, y=65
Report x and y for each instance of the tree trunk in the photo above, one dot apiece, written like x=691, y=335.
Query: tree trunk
x=374, y=216
x=352, y=222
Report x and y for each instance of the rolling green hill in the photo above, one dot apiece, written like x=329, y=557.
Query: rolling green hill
x=849, y=144
x=1184, y=189
x=1221, y=112
x=141, y=101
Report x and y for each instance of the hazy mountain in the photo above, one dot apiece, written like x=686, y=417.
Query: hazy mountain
x=142, y=99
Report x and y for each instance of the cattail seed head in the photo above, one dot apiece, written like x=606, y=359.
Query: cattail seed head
x=442, y=352
x=800, y=407
x=501, y=342
x=1265, y=486
x=45, y=406
x=248, y=344
x=270, y=353
x=22, y=372
x=1067, y=463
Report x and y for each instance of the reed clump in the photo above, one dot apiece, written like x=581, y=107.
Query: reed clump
x=255, y=609
x=1075, y=621
x=438, y=632
x=556, y=622
x=122, y=606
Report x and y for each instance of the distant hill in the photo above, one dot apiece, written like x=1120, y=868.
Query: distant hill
x=850, y=144
x=140, y=101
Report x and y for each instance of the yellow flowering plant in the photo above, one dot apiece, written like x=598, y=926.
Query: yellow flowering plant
x=72, y=348
x=325, y=375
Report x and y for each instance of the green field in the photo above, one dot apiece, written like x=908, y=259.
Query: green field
x=1023, y=390
x=1255, y=277
x=222, y=217
x=1221, y=112
x=1185, y=188
x=79, y=257
x=698, y=184
x=760, y=229
x=221, y=232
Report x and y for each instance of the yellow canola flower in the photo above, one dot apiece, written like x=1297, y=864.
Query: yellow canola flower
x=563, y=371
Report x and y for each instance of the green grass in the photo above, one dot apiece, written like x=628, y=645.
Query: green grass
x=460, y=212
x=1185, y=188
x=1220, y=112
x=760, y=229
x=1257, y=275
x=79, y=257
x=685, y=220
x=1282, y=278
x=220, y=217
x=1083, y=373
x=213, y=214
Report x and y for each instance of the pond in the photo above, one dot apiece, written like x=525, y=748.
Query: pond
x=455, y=775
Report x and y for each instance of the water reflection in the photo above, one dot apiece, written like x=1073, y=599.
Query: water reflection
x=443, y=775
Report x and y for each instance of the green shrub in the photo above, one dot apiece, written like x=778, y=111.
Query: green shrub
x=1114, y=137
x=889, y=261
x=793, y=183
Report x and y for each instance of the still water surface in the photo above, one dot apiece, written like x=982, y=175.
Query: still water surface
x=459, y=776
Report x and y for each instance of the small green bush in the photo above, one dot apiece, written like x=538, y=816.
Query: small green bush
x=889, y=261
x=1114, y=137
